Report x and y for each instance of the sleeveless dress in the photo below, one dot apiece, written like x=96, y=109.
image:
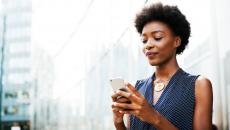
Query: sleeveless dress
x=176, y=102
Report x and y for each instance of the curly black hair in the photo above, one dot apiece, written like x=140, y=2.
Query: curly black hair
x=171, y=16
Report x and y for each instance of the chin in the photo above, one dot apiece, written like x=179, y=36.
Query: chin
x=153, y=63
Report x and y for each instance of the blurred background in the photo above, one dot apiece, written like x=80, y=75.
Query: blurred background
x=57, y=56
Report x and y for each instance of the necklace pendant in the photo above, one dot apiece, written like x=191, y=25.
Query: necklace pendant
x=159, y=87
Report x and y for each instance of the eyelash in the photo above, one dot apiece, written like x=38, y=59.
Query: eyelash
x=144, y=41
x=156, y=39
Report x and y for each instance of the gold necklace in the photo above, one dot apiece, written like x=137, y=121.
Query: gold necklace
x=159, y=85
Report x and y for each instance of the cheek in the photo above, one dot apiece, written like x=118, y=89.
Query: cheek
x=143, y=49
x=166, y=46
x=167, y=52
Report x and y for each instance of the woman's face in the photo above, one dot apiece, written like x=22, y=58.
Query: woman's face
x=159, y=43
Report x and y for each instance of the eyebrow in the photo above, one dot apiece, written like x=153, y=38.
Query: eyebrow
x=153, y=32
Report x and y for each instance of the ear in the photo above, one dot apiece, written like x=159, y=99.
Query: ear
x=177, y=41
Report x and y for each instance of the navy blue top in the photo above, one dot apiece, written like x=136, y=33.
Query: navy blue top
x=176, y=102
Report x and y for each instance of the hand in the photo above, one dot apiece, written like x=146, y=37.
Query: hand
x=117, y=115
x=138, y=106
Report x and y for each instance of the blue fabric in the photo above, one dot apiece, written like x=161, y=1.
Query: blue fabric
x=176, y=102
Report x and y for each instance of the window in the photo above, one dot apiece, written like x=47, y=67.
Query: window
x=19, y=78
x=19, y=32
x=10, y=110
x=15, y=128
x=11, y=95
x=19, y=47
x=23, y=62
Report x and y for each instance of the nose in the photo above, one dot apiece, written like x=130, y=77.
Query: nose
x=149, y=45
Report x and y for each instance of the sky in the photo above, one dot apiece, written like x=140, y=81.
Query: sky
x=55, y=24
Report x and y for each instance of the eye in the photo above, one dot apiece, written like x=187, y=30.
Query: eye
x=144, y=41
x=158, y=38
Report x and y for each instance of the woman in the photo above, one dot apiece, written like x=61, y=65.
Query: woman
x=171, y=98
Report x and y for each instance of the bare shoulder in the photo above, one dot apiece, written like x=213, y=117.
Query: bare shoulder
x=203, y=87
x=203, y=104
x=203, y=83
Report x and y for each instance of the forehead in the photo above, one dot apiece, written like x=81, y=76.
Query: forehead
x=156, y=26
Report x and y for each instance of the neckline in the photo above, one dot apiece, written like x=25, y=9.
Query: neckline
x=154, y=74
x=163, y=94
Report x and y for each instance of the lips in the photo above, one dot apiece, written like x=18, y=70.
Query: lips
x=151, y=54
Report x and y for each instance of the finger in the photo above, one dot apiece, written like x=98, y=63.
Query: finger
x=115, y=96
x=133, y=90
x=117, y=111
x=123, y=100
x=126, y=106
x=116, y=107
x=130, y=112
x=113, y=99
x=132, y=97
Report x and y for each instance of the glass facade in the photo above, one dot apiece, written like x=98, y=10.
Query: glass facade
x=16, y=65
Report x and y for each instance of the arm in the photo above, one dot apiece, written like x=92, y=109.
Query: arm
x=120, y=126
x=203, y=107
x=118, y=117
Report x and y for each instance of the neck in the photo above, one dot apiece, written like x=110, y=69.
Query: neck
x=167, y=70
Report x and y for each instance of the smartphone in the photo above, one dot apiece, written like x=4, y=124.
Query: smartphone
x=118, y=84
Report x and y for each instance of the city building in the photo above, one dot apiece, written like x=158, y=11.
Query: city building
x=16, y=82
